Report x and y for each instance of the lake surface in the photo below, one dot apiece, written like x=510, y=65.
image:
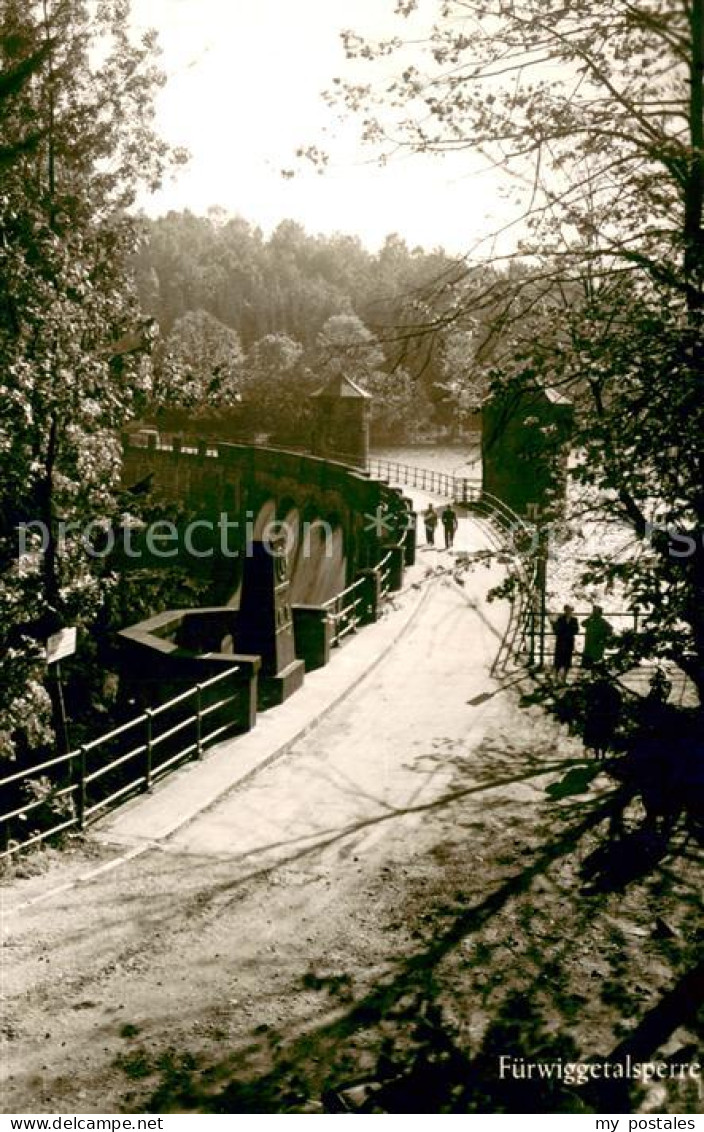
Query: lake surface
x=456, y=459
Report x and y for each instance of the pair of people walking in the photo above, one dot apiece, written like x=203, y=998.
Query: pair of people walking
x=449, y=521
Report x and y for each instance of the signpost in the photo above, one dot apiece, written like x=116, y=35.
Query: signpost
x=61, y=645
x=58, y=647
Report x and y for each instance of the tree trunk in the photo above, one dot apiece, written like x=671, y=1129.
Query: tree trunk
x=52, y=588
x=694, y=188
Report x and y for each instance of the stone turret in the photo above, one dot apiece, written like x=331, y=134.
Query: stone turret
x=524, y=439
x=341, y=422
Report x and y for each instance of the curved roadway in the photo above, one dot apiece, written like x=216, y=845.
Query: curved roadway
x=98, y=956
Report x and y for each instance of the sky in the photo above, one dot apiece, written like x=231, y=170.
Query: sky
x=244, y=91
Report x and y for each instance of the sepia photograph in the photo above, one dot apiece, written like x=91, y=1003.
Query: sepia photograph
x=351, y=561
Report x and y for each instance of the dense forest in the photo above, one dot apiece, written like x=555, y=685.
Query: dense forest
x=266, y=321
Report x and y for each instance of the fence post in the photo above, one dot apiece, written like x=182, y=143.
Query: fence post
x=371, y=596
x=357, y=605
x=410, y=539
x=543, y=628
x=335, y=621
x=81, y=804
x=541, y=582
x=199, y=722
x=148, y=754
x=396, y=566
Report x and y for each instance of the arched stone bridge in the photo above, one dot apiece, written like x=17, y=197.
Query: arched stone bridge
x=354, y=516
x=342, y=542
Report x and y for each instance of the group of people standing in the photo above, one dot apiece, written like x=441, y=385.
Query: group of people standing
x=447, y=517
x=597, y=632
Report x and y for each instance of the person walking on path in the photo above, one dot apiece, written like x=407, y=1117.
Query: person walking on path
x=566, y=628
x=430, y=518
x=597, y=632
x=449, y=524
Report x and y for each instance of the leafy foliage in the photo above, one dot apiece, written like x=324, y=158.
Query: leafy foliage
x=207, y=357
x=276, y=386
x=597, y=111
x=281, y=296
x=76, y=140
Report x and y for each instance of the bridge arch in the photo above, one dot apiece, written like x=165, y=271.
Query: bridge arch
x=326, y=502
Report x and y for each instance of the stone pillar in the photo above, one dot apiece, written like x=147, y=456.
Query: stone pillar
x=396, y=566
x=411, y=538
x=265, y=622
x=411, y=543
x=249, y=678
x=312, y=631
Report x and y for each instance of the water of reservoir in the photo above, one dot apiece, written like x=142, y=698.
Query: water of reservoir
x=456, y=459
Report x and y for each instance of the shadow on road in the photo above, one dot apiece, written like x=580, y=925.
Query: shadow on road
x=512, y=953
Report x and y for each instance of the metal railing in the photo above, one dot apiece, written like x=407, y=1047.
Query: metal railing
x=465, y=489
x=631, y=616
x=501, y=522
x=127, y=759
x=525, y=637
x=461, y=489
x=501, y=515
x=529, y=628
x=519, y=640
x=542, y=629
x=345, y=611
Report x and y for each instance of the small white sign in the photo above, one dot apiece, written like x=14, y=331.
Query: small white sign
x=61, y=645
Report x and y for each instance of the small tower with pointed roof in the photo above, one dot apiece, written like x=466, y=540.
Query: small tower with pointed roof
x=341, y=421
